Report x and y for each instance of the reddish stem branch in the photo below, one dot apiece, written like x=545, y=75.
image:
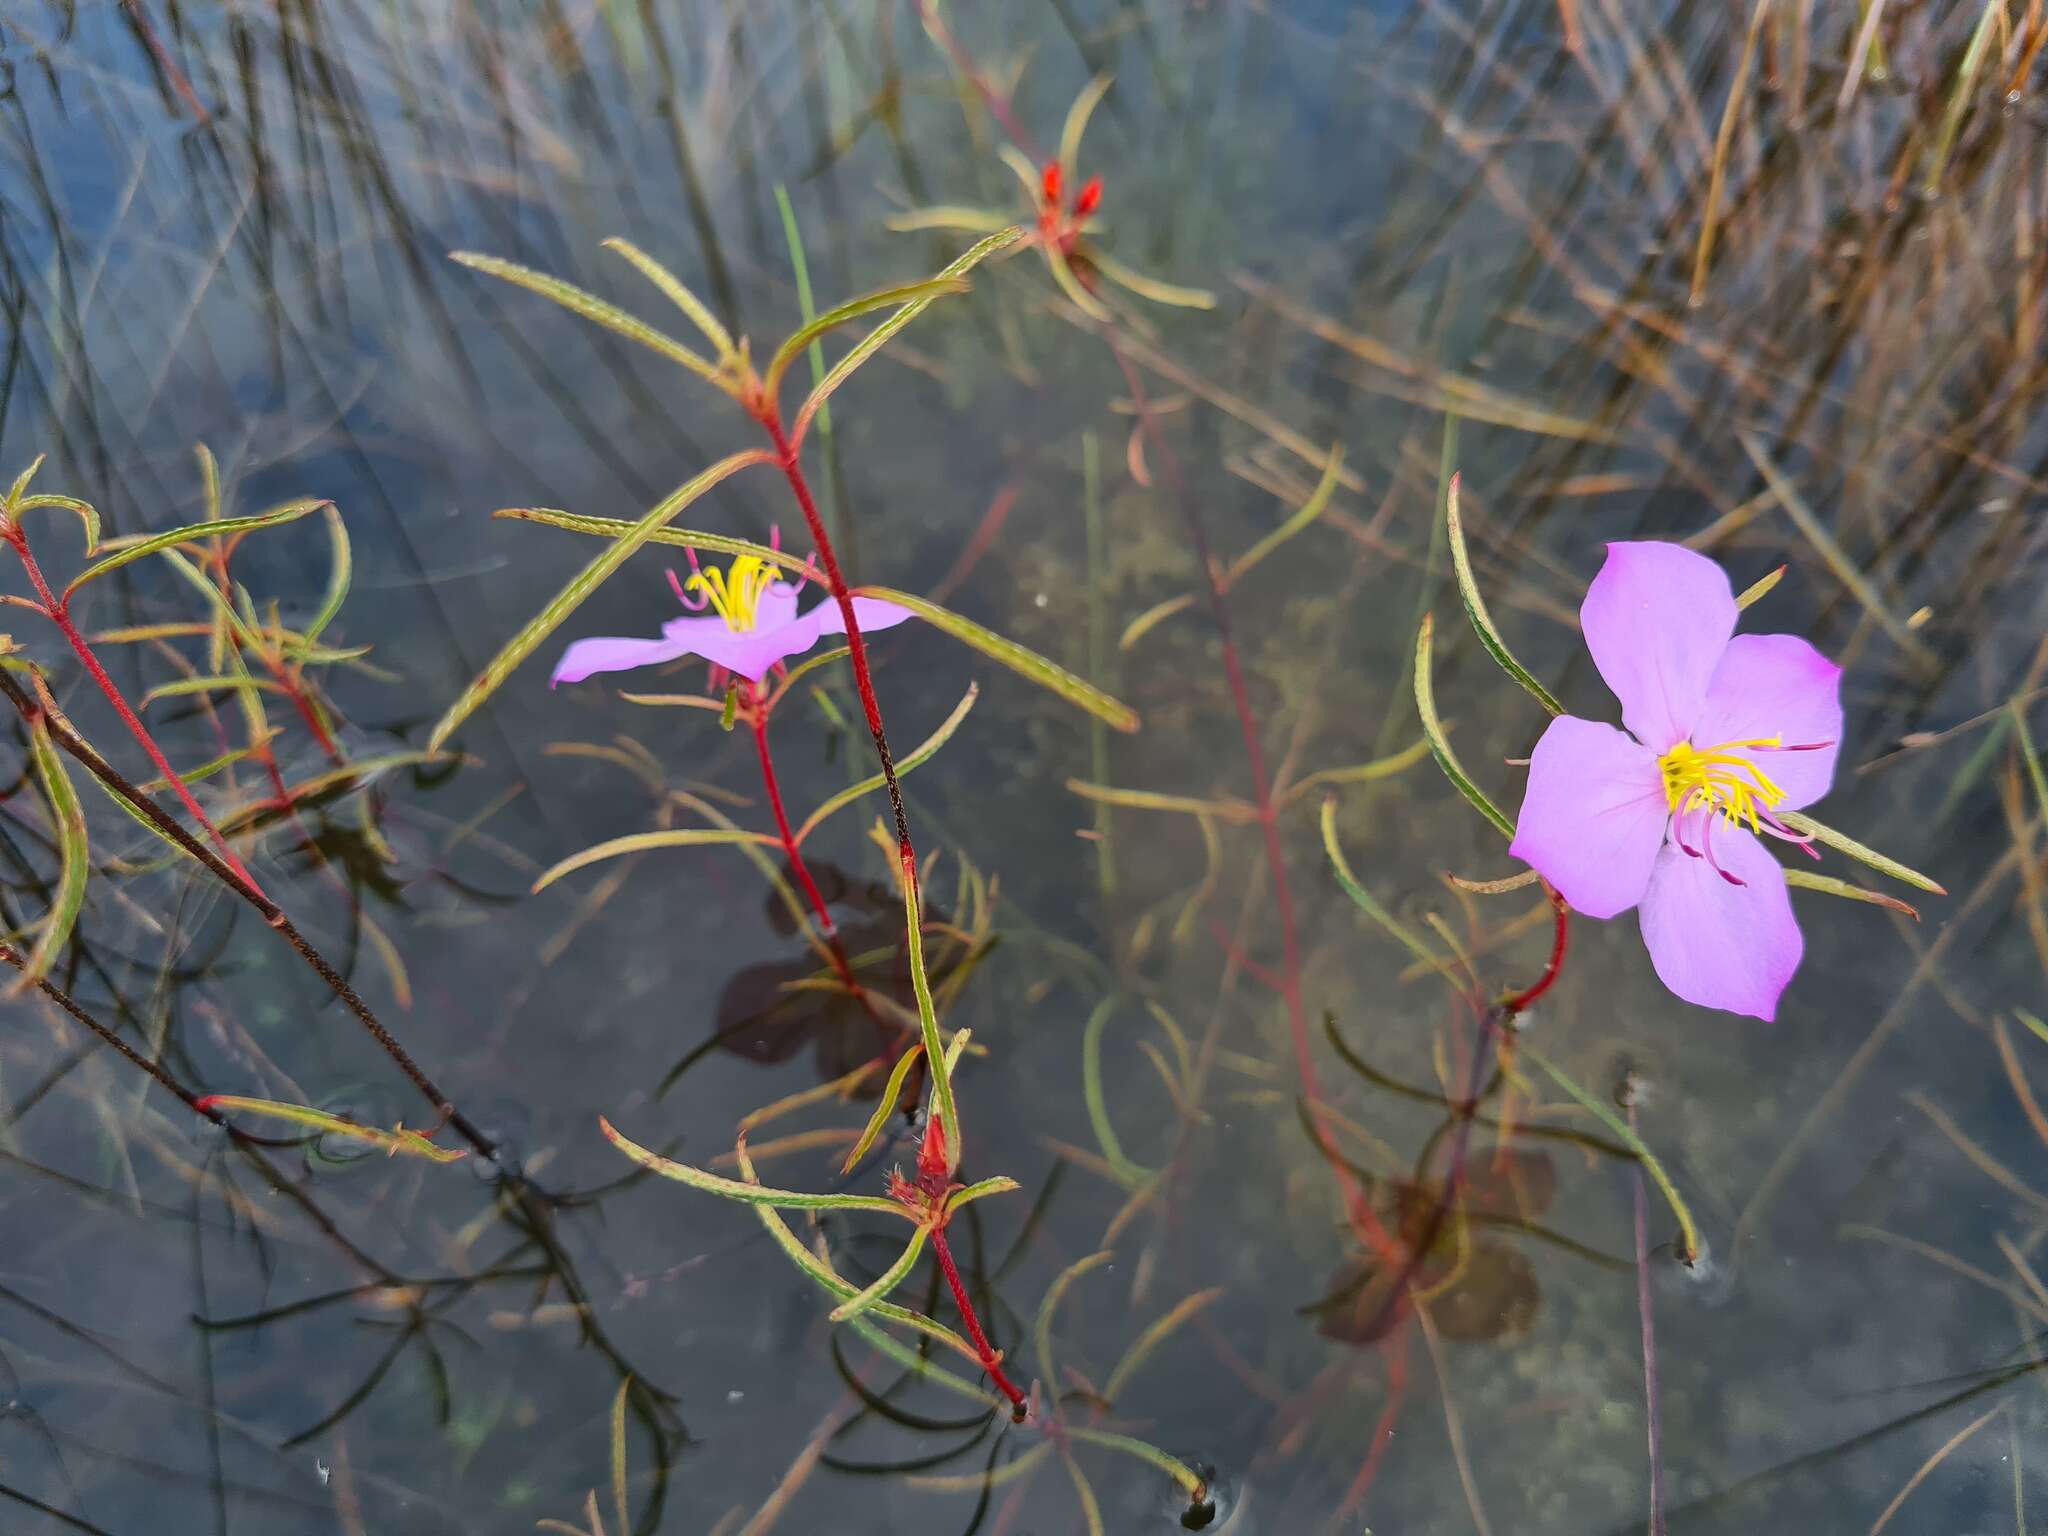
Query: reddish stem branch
x=59, y=611
x=990, y=1360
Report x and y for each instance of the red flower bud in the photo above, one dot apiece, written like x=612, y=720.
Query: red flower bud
x=1052, y=182
x=1090, y=198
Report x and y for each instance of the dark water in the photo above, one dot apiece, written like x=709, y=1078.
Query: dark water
x=230, y=225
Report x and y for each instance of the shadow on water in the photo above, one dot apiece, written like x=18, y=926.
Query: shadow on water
x=1771, y=280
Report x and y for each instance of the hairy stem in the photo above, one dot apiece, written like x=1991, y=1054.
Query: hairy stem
x=59, y=612
x=990, y=1360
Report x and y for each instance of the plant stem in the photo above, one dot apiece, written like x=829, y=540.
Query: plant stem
x=758, y=712
x=67, y=737
x=990, y=1360
x=59, y=613
x=787, y=455
x=1652, y=1416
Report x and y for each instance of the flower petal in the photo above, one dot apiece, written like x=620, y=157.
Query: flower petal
x=751, y=652
x=1778, y=685
x=1721, y=945
x=1593, y=815
x=868, y=612
x=1657, y=619
x=613, y=653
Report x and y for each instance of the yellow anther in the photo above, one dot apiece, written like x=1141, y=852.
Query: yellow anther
x=734, y=594
x=1720, y=778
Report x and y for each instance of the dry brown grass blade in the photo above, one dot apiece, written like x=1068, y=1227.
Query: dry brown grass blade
x=1931, y=1463
x=1724, y=140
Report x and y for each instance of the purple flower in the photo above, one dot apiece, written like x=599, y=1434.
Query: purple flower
x=753, y=624
x=1722, y=728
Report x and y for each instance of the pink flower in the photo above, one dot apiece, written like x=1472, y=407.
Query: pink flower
x=753, y=624
x=1722, y=728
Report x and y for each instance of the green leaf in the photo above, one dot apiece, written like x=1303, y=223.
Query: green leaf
x=806, y=335
x=981, y=1189
x=874, y=341
x=1077, y=123
x=339, y=573
x=1759, y=589
x=1307, y=513
x=885, y=1106
x=641, y=842
x=1806, y=880
x=886, y=1281
x=1799, y=821
x=68, y=818
x=1689, y=1235
x=592, y=308
x=1070, y=285
x=1019, y=659
x=397, y=1143
x=1367, y=902
x=926, y=749
x=20, y=487
x=585, y=582
x=1151, y=619
x=1143, y=286
x=1439, y=744
x=928, y=1020
x=973, y=221
x=679, y=538
x=288, y=513
x=1130, y=1174
x=1239, y=812
x=619, y=1506
x=1475, y=608
x=1363, y=773
x=801, y=271
x=179, y=687
x=695, y=308
x=83, y=510
x=746, y=1194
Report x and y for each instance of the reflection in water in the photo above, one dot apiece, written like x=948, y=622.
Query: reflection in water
x=1605, y=244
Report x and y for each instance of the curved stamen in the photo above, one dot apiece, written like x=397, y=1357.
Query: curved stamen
x=682, y=593
x=1707, y=849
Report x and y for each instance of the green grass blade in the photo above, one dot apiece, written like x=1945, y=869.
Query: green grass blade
x=619, y=1507
x=1841, y=842
x=698, y=312
x=1041, y=1326
x=67, y=817
x=290, y=512
x=678, y=538
x=1475, y=607
x=876, y=339
x=1439, y=744
x=800, y=269
x=808, y=335
x=928, y=1022
x=886, y=1281
x=925, y=751
x=591, y=308
x=1019, y=659
x=641, y=842
x=1171, y=294
x=1128, y=1172
x=585, y=582
x=745, y=1193
x=1152, y=618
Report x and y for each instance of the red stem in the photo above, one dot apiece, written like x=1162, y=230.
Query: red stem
x=1364, y=1219
x=758, y=712
x=59, y=612
x=990, y=1360
x=1522, y=1000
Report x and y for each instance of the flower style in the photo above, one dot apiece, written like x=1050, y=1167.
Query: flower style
x=1722, y=728
x=753, y=624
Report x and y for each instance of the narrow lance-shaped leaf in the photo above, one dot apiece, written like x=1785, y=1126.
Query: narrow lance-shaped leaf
x=68, y=818
x=21, y=481
x=1171, y=294
x=398, y=1143
x=734, y=1189
x=339, y=572
x=924, y=753
x=677, y=538
x=981, y=1189
x=695, y=308
x=801, y=271
x=1308, y=512
x=1019, y=659
x=873, y=342
x=585, y=582
x=886, y=1281
x=126, y=553
x=1841, y=842
x=805, y=335
x=1077, y=124
x=885, y=1106
x=1439, y=744
x=1807, y=880
x=1365, y=900
x=642, y=842
x=84, y=511
x=1475, y=607
x=928, y=1022
x=591, y=308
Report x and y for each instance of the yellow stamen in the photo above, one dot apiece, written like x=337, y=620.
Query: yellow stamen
x=734, y=594
x=1714, y=777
